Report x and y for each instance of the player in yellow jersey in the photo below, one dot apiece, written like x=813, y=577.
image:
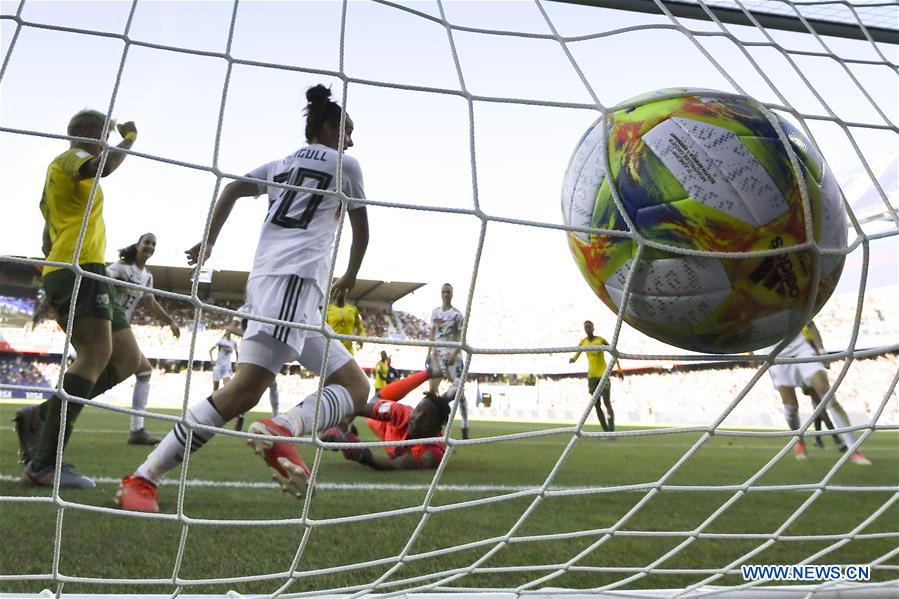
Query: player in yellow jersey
x=382, y=372
x=106, y=350
x=596, y=366
x=344, y=318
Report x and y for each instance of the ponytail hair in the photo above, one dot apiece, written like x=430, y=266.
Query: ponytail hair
x=320, y=110
x=128, y=254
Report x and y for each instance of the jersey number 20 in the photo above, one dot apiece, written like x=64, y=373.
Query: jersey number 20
x=303, y=178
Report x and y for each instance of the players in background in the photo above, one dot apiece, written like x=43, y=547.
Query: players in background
x=42, y=309
x=286, y=283
x=223, y=370
x=813, y=336
x=596, y=367
x=344, y=318
x=786, y=377
x=381, y=372
x=444, y=362
x=238, y=327
x=132, y=268
x=107, y=351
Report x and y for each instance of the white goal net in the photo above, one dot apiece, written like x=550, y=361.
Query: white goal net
x=466, y=114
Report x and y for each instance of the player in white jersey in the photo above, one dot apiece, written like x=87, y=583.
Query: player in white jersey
x=445, y=362
x=287, y=283
x=132, y=268
x=222, y=370
x=786, y=377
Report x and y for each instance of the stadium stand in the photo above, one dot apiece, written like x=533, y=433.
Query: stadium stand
x=539, y=386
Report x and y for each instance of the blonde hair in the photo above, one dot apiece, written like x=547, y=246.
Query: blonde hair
x=84, y=119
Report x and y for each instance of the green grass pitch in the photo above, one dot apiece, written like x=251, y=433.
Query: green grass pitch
x=97, y=545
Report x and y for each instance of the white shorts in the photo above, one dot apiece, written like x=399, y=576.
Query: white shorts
x=796, y=375
x=294, y=300
x=220, y=372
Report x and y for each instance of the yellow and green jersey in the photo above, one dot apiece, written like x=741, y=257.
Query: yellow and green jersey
x=596, y=360
x=346, y=321
x=382, y=370
x=63, y=204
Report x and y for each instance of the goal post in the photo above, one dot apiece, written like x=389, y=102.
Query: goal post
x=697, y=495
x=855, y=21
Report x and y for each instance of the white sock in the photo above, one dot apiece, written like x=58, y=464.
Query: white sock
x=791, y=413
x=273, y=397
x=463, y=407
x=170, y=452
x=335, y=405
x=840, y=420
x=139, y=399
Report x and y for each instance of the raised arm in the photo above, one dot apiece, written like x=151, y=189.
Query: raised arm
x=89, y=169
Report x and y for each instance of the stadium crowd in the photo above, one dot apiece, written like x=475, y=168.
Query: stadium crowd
x=659, y=393
x=22, y=371
x=656, y=397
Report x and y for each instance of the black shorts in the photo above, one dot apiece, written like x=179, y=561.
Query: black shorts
x=592, y=383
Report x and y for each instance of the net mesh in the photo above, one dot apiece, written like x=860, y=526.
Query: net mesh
x=397, y=577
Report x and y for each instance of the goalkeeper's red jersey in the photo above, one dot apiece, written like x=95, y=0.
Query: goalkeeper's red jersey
x=390, y=422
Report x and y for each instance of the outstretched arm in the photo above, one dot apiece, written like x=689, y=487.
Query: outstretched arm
x=364, y=456
x=233, y=191
x=160, y=313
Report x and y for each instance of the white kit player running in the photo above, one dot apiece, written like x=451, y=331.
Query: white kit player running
x=446, y=325
x=223, y=369
x=787, y=377
x=132, y=268
x=289, y=274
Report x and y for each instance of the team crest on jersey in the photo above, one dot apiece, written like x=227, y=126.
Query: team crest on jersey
x=384, y=408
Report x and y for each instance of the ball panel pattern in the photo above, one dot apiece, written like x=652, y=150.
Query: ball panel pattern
x=704, y=171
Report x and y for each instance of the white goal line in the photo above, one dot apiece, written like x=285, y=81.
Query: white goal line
x=462, y=488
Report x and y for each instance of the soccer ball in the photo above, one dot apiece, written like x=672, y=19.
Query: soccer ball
x=704, y=171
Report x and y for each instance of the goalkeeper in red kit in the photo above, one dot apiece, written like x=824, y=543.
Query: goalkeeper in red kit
x=390, y=420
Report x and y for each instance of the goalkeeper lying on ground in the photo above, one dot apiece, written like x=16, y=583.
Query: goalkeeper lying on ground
x=390, y=420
